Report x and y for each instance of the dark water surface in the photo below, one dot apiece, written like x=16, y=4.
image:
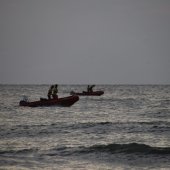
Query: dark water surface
x=126, y=128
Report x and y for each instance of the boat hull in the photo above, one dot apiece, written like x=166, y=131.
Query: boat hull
x=65, y=102
x=95, y=93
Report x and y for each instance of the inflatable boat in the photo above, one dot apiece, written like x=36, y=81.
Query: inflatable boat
x=65, y=102
x=84, y=93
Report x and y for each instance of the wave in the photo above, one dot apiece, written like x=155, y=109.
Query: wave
x=128, y=126
x=22, y=151
x=127, y=149
x=86, y=127
x=131, y=148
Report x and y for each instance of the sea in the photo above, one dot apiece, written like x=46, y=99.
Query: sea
x=128, y=127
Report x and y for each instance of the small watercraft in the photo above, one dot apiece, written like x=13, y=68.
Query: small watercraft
x=84, y=93
x=65, y=102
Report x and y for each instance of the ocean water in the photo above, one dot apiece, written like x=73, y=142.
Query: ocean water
x=126, y=128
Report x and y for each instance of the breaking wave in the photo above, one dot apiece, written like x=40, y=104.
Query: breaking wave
x=127, y=149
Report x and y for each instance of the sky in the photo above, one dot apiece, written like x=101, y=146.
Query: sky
x=85, y=41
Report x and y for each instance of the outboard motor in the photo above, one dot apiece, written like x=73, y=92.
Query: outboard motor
x=72, y=93
x=25, y=98
x=24, y=101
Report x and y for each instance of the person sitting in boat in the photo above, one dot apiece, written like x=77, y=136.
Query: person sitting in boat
x=55, y=91
x=50, y=91
x=90, y=88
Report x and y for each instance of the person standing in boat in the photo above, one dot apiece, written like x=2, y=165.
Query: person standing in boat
x=90, y=88
x=55, y=91
x=50, y=91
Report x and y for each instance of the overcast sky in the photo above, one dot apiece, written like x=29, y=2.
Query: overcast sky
x=85, y=41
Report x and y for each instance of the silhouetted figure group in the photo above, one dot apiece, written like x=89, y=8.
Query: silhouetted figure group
x=90, y=88
x=52, y=92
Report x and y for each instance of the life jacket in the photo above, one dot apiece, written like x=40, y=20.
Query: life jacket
x=50, y=91
x=55, y=90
